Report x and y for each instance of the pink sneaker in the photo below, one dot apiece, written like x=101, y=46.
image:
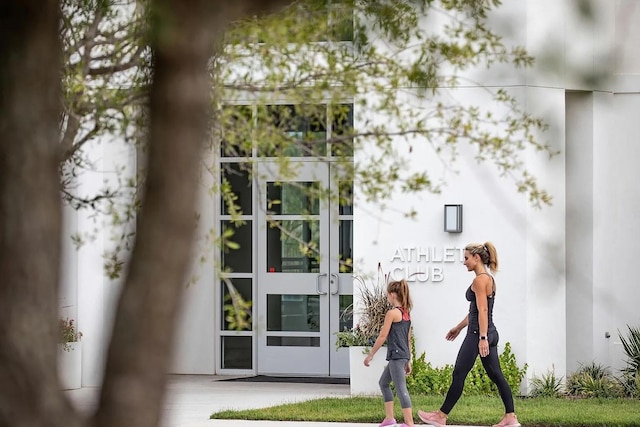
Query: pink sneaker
x=433, y=418
x=387, y=422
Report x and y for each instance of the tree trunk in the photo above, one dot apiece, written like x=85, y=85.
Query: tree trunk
x=184, y=36
x=29, y=215
x=184, y=32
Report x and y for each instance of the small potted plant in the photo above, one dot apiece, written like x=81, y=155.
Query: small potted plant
x=369, y=310
x=69, y=354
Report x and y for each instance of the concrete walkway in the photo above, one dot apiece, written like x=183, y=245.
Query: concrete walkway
x=191, y=399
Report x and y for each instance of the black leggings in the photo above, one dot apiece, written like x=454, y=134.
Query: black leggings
x=466, y=358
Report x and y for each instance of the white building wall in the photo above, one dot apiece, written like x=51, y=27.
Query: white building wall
x=68, y=291
x=580, y=232
x=567, y=271
x=91, y=278
x=113, y=162
x=195, y=349
x=531, y=300
x=616, y=223
x=545, y=277
x=602, y=129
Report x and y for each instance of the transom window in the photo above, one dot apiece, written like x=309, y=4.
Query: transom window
x=287, y=130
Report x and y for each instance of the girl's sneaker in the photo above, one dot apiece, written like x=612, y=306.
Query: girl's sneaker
x=387, y=422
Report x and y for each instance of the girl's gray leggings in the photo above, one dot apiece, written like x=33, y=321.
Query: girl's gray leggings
x=394, y=371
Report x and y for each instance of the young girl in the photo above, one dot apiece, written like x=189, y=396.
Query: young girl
x=396, y=331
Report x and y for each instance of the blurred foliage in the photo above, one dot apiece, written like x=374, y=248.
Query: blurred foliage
x=321, y=79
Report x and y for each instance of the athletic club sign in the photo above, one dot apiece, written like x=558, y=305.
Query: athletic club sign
x=423, y=263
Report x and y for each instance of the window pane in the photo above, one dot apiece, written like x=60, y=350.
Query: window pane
x=293, y=198
x=238, y=178
x=293, y=341
x=341, y=21
x=293, y=313
x=346, y=312
x=229, y=319
x=342, y=130
x=293, y=246
x=296, y=131
x=236, y=129
x=346, y=246
x=236, y=352
x=237, y=260
x=346, y=197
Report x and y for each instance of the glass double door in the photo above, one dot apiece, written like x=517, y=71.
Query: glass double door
x=305, y=240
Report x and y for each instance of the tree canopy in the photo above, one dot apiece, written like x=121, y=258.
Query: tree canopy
x=391, y=62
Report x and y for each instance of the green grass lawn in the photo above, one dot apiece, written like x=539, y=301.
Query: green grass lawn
x=472, y=410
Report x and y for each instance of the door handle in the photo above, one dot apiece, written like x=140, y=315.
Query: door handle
x=318, y=283
x=337, y=279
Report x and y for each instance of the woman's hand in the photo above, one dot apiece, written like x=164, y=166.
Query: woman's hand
x=452, y=334
x=483, y=348
x=407, y=368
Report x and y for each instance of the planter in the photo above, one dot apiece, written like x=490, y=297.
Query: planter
x=363, y=379
x=70, y=366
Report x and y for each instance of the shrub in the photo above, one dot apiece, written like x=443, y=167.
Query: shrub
x=548, y=385
x=630, y=379
x=630, y=384
x=371, y=312
x=425, y=379
x=428, y=380
x=593, y=380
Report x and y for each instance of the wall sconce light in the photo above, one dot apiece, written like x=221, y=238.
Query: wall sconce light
x=453, y=218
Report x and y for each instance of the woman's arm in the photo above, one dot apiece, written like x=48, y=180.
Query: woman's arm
x=482, y=293
x=481, y=287
x=455, y=331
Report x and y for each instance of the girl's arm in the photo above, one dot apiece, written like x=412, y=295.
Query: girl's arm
x=407, y=366
x=391, y=316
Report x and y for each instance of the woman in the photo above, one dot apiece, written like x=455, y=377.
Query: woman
x=481, y=339
x=396, y=332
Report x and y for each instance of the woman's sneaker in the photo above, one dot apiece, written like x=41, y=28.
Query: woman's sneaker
x=508, y=421
x=386, y=422
x=434, y=418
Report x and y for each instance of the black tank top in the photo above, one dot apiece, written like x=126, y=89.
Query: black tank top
x=474, y=326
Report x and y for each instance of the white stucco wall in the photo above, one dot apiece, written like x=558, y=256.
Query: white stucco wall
x=530, y=242
x=113, y=161
x=567, y=271
x=545, y=277
x=602, y=129
x=195, y=349
x=616, y=223
x=579, y=220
